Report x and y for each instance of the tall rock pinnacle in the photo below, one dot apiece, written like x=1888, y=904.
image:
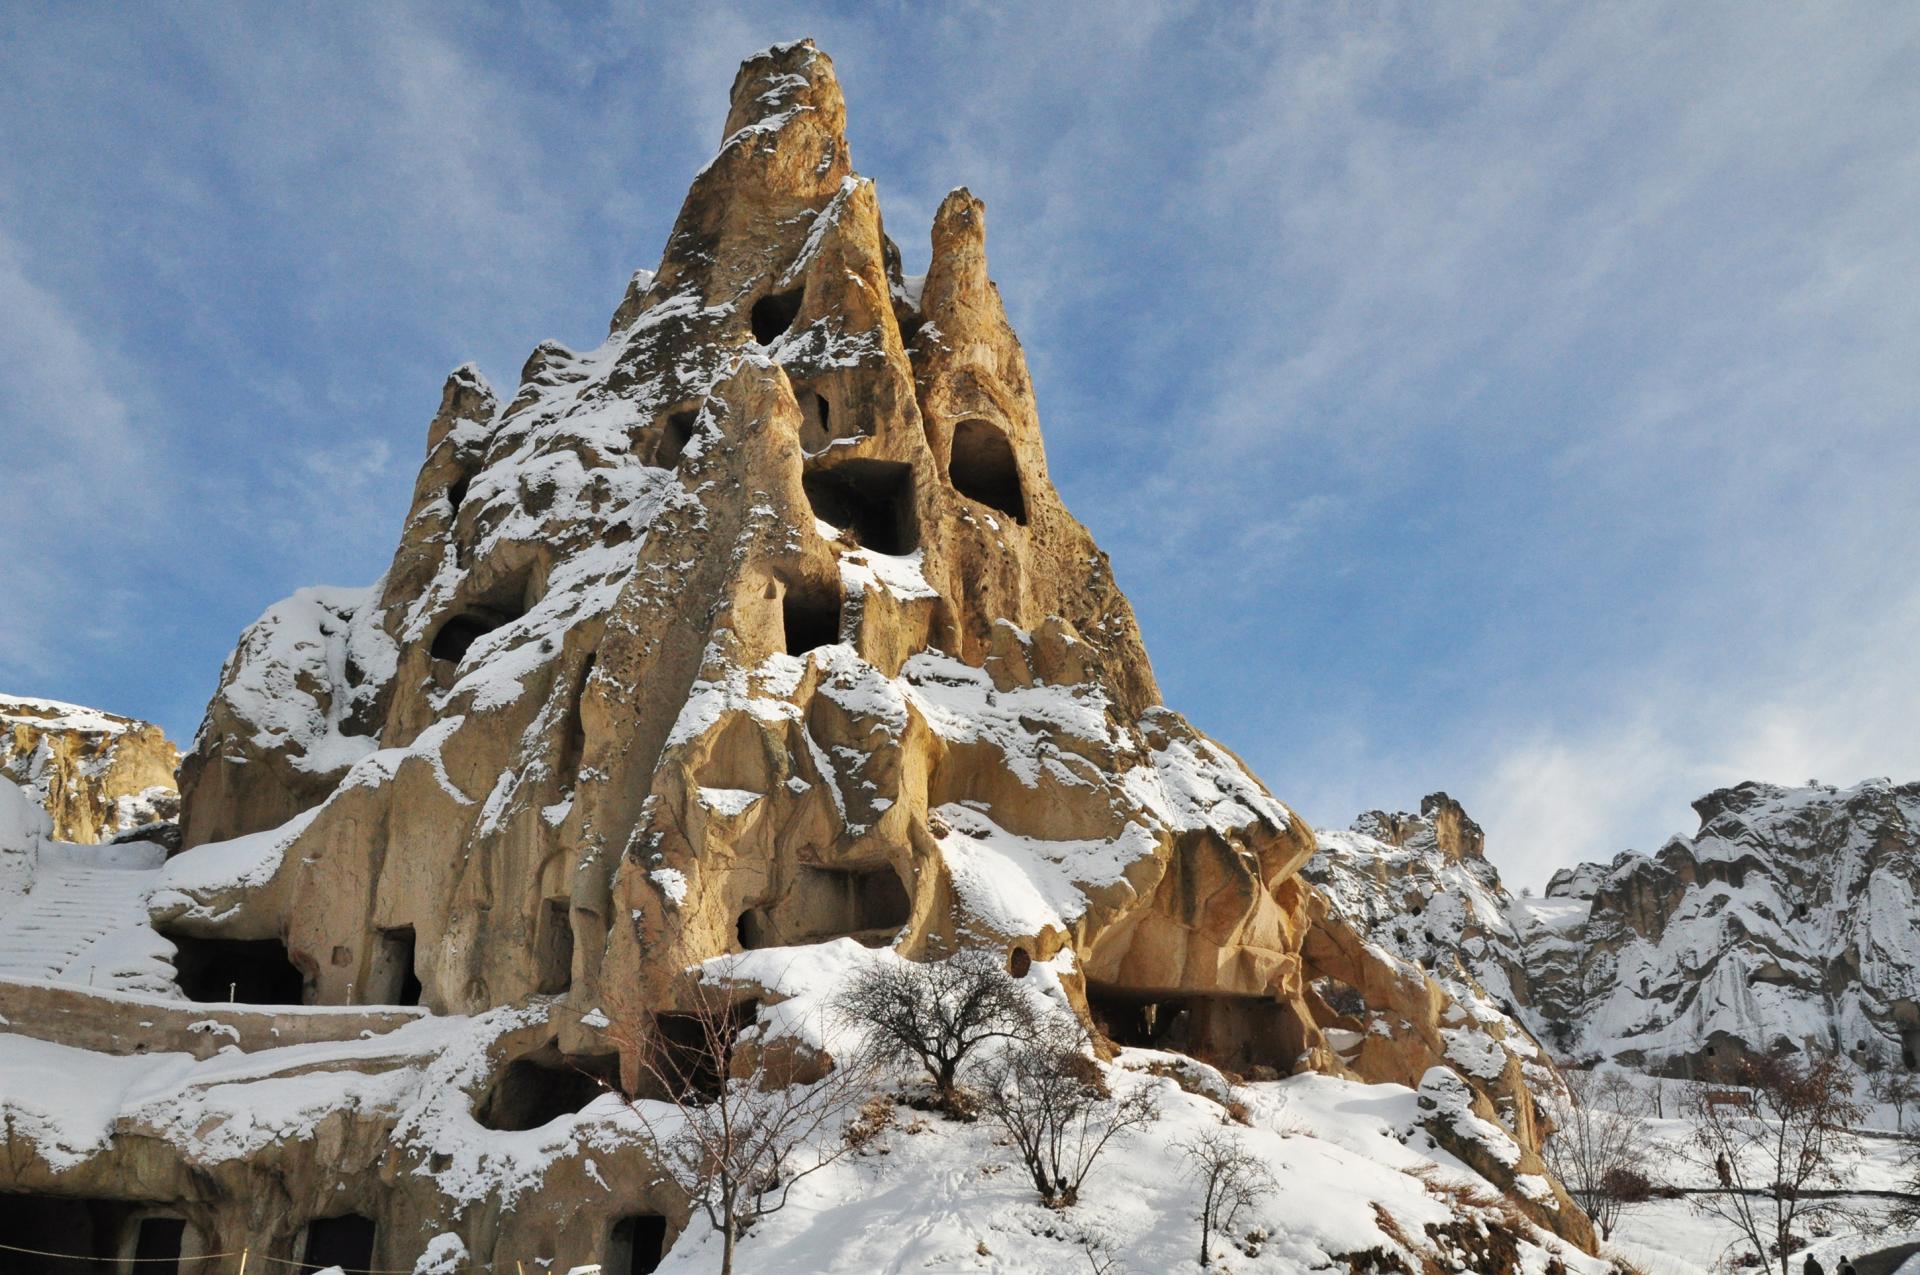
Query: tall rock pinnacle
x=761, y=625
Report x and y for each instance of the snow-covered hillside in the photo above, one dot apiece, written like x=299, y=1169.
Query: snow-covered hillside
x=1787, y=920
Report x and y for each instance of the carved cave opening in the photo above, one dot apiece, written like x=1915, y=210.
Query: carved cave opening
x=867, y=904
x=502, y=605
x=392, y=980
x=543, y=1087
x=90, y=1229
x=696, y=1050
x=810, y=614
x=457, y=494
x=636, y=1244
x=158, y=1241
x=345, y=1241
x=982, y=467
x=816, y=418
x=872, y=499
x=674, y=437
x=573, y=733
x=245, y=971
x=1234, y=1032
x=773, y=315
x=553, y=947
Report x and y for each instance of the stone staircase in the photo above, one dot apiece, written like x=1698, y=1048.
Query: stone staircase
x=71, y=907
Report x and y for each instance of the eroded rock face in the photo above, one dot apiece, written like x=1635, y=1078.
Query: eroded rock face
x=1418, y=965
x=1786, y=921
x=760, y=625
x=98, y=775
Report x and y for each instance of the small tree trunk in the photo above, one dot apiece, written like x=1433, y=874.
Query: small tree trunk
x=726, y=1248
x=945, y=1085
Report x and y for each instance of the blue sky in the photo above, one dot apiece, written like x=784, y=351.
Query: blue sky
x=1511, y=399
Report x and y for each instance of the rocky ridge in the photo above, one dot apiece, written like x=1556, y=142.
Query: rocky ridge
x=1785, y=923
x=755, y=638
x=97, y=775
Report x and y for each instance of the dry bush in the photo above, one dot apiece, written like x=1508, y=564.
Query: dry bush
x=743, y=1128
x=1053, y=1103
x=1232, y=1179
x=934, y=1014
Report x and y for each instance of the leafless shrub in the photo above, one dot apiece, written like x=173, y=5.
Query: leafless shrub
x=742, y=1128
x=936, y=1013
x=1599, y=1143
x=1231, y=1178
x=1793, y=1136
x=1055, y=1107
x=1897, y=1089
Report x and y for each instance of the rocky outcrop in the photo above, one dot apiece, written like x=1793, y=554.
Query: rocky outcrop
x=1418, y=972
x=1784, y=923
x=762, y=623
x=97, y=775
x=758, y=630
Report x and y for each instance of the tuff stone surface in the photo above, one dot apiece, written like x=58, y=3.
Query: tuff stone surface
x=97, y=775
x=759, y=624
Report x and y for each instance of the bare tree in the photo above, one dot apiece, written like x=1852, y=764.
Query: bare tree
x=1782, y=1133
x=1231, y=1179
x=1897, y=1089
x=1052, y=1100
x=1599, y=1144
x=936, y=1013
x=742, y=1123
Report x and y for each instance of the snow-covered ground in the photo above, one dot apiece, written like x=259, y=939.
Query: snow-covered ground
x=1673, y=1237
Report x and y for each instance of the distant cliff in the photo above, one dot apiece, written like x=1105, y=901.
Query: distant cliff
x=96, y=774
x=1785, y=922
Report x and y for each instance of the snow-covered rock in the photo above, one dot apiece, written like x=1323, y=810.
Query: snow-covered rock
x=97, y=775
x=1786, y=921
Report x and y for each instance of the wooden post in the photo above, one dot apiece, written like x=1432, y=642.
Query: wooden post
x=243, y=1260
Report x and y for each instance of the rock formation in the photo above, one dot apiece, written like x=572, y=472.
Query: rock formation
x=1417, y=965
x=1785, y=922
x=758, y=627
x=98, y=775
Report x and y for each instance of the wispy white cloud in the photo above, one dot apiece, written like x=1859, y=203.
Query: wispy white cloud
x=78, y=480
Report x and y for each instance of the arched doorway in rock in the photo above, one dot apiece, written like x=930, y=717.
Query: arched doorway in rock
x=982, y=467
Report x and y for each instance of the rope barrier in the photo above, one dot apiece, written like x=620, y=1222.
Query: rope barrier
x=198, y=1257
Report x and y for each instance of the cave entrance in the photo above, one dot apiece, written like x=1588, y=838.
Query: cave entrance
x=773, y=315
x=553, y=947
x=90, y=1230
x=636, y=1244
x=454, y=638
x=868, y=905
x=674, y=437
x=816, y=417
x=392, y=980
x=810, y=614
x=540, y=1088
x=982, y=467
x=159, y=1242
x=1234, y=1032
x=345, y=1241
x=696, y=1050
x=872, y=499
x=501, y=605
x=243, y=971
